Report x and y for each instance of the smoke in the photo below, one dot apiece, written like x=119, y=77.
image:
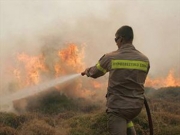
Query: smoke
x=155, y=25
x=45, y=27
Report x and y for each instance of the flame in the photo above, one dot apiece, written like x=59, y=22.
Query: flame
x=72, y=58
x=168, y=81
x=30, y=70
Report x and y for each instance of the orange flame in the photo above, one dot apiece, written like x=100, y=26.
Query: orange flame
x=31, y=66
x=30, y=69
x=71, y=57
x=170, y=80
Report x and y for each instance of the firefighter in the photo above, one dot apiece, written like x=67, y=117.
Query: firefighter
x=127, y=69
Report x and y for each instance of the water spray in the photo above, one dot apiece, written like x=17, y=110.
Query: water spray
x=36, y=89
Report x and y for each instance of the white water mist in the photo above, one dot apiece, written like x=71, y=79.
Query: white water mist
x=4, y=101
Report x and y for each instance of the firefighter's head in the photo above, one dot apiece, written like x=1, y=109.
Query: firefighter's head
x=124, y=35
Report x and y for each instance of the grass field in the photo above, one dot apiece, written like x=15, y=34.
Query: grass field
x=56, y=114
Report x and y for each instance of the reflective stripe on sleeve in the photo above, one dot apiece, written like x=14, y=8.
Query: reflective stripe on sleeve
x=129, y=64
x=100, y=68
x=130, y=124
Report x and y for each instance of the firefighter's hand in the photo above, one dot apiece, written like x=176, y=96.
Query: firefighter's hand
x=83, y=73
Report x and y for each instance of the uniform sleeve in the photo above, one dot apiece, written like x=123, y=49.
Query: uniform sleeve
x=148, y=67
x=99, y=69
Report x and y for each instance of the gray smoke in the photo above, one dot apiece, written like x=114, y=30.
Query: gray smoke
x=45, y=26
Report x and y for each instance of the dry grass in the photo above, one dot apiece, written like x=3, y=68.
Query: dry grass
x=36, y=127
x=8, y=131
x=89, y=120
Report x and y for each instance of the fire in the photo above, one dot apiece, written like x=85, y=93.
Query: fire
x=71, y=57
x=30, y=70
x=70, y=60
x=170, y=80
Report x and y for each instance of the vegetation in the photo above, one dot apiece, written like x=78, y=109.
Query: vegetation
x=56, y=114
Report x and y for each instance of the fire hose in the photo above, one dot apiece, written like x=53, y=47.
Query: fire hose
x=149, y=116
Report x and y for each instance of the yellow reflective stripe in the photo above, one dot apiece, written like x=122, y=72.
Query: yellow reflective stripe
x=100, y=68
x=130, y=124
x=129, y=64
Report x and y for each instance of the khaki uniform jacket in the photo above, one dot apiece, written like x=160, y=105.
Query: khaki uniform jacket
x=127, y=69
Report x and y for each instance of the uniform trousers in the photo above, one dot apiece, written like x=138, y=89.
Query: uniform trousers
x=119, y=121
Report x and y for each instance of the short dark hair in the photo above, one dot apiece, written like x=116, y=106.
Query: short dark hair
x=126, y=32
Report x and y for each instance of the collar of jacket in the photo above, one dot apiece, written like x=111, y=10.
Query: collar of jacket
x=127, y=46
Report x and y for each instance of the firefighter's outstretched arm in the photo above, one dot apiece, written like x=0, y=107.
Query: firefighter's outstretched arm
x=98, y=70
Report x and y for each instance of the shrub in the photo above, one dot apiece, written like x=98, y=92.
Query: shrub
x=141, y=123
x=167, y=118
x=169, y=130
x=168, y=93
x=8, y=131
x=9, y=119
x=92, y=124
x=54, y=102
x=36, y=127
x=50, y=103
